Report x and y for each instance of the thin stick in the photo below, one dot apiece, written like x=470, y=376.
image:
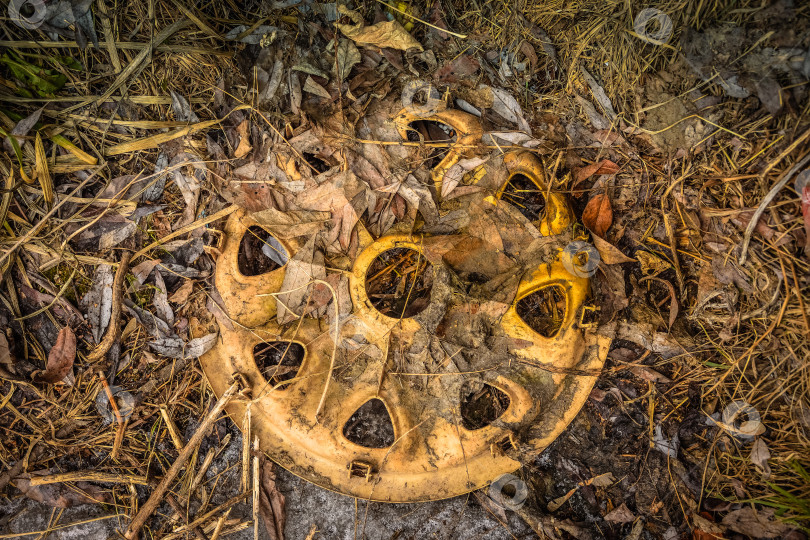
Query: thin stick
x=179, y=509
x=198, y=478
x=157, y=496
x=256, y=488
x=119, y=439
x=171, y=427
x=88, y=476
x=246, y=447
x=220, y=524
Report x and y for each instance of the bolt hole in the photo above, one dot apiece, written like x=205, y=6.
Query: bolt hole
x=278, y=361
x=260, y=252
x=398, y=282
x=543, y=310
x=521, y=192
x=481, y=407
x=27, y=10
x=430, y=131
x=370, y=426
x=509, y=490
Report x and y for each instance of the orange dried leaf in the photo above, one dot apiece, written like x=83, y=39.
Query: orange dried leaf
x=600, y=167
x=598, y=214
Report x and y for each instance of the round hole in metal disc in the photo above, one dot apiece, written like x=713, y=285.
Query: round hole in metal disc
x=259, y=253
x=543, y=310
x=524, y=194
x=481, y=407
x=398, y=282
x=278, y=361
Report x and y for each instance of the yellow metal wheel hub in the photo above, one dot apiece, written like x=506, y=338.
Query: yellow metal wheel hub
x=421, y=367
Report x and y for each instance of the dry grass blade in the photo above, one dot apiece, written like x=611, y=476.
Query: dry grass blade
x=43, y=173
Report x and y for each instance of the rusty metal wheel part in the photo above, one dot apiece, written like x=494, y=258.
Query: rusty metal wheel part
x=425, y=403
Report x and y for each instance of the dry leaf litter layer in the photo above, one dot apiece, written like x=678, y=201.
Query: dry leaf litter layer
x=132, y=134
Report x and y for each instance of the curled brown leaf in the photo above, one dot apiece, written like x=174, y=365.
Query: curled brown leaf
x=60, y=358
x=272, y=503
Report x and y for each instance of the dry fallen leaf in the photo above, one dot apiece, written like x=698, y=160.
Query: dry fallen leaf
x=388, y=34
x=161, y=301
x=271, y=503
x=181, y=295
x=244, y=140
x=5, y=352
x=60, y=358
x=620, y=514
x=302, y=268
x=505, y=105
x=760, y=454
x=649, y=374
x=609, y=253
x=598, y=214
x=651, y=264
x=314, y=88
x=706, y=529
x=174, y=347
x=600, y=167
x=755, y=523
x=603, y=480
x=347, y=57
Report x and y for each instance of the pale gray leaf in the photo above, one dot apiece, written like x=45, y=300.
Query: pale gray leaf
x=507, y=106
x=599, y=94
x=154, y=326
x=620, y=514
x=273, y=249
x=255, y=37
x=755, y=523
x=308, y=68
x=157, y=182
x=22, y=128
x=97, y=302
x=182, y=109
x=116, y=234
x=161, y=301
x=347, y=57
x=314, y=88
x=174, y=347
x=664, y=445
x=275, y=81
x=760, y=454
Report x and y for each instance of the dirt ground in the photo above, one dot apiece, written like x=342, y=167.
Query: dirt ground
x=676, y=132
